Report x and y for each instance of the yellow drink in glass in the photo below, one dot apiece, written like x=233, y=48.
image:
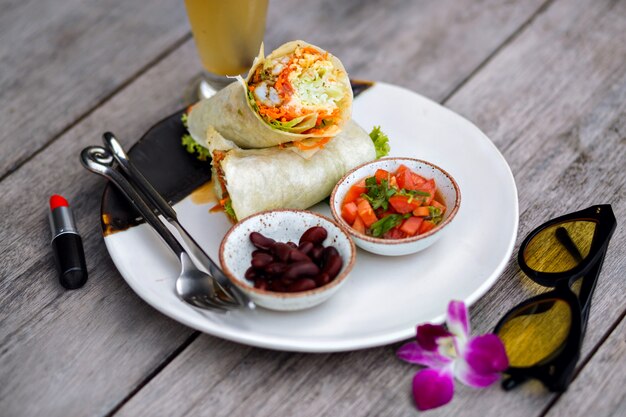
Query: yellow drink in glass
x=228, y=33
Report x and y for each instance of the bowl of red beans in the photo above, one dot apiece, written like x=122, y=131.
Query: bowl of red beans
x=395, y=206
x=287, y=259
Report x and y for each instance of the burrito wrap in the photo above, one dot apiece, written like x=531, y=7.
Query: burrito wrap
x=271, y=178
x=230, y=112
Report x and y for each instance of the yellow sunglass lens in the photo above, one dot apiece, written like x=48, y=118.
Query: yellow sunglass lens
x=560, y=247
x=535, y=332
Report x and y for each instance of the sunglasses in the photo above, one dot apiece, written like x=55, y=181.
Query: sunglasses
x=543, y=335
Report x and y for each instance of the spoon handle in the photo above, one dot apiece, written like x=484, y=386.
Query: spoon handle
x=167, y=211
x=98, y=160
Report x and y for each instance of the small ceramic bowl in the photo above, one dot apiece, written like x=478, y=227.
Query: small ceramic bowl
x=446, y=185
x=283, y=226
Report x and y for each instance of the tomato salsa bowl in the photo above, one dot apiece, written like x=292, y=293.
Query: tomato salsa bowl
x=395, y=206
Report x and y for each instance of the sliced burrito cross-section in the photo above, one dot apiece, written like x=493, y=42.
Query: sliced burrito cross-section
x=297, y=93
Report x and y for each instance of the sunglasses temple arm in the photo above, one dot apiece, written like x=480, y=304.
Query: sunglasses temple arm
x=564, y=238
x=587, y=289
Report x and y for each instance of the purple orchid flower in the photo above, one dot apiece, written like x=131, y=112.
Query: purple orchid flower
x=448, y=352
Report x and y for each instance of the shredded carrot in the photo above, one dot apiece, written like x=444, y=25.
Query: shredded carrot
x=223, y=201
x=216, y=208
x=317, y=144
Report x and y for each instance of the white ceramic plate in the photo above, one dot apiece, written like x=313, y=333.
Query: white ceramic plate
x=387, y=296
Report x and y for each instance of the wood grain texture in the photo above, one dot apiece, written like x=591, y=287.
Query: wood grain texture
x=426, y=46
x=552, y=99
x=79, y=352
x=60, y=58
x=530, y=92
x=605, y=374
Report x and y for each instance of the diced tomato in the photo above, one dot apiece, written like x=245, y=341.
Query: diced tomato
x=401, y=169
x=402, y=205
x=411, y=225
x=394, y=233
x=349, y=212
x=438, y=205
x=382, y=174
x=358, y=225
x=417, y=179
x=355, y=192
x=430, y=188
x=403, y=177
x=366, y=213
x=426, y=226
x=421, y=211
x=408, y=179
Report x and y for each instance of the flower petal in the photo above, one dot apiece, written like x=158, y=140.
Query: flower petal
x=432, y=388
x=458, y=319
x=412, y=352
x=483, y=358
x=427, y=335
x=486, y=354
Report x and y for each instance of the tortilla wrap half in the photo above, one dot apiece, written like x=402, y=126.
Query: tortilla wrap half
x=255, y=180
x=297, y=92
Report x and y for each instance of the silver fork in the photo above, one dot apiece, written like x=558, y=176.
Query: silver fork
x=192, y=285
x=168, y=212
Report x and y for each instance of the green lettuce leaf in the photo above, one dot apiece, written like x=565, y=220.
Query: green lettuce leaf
x=228, y=209
x=194, y=148
x=381, y=142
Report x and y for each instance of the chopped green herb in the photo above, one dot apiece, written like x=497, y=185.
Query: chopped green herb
x=435, y=214
x=193, y=147
x=381, y=142
x=228, y=209
x=387, y=223
x=378, y=194
x=183, y=119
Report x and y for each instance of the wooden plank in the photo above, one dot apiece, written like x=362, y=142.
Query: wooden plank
x=426, y=46
x=61, y=58
x=606, y=374
x=80, y=352
x=536, y=88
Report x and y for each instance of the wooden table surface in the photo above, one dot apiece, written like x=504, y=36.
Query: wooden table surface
x=544, y=79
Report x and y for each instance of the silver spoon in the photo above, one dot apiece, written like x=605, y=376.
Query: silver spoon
x=192, y=285
x=164, y=209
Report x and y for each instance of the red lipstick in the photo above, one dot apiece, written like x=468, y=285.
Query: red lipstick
x=67, y=245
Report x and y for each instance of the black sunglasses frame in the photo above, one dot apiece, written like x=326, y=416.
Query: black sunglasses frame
x=556, y=371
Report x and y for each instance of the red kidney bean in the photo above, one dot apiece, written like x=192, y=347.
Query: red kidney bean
x=303, y=284
x=261, y=260
x=251, y=273
x=305, y=247
x=257, y=251
x=277, y=286
x=296, y=256
x=315, y=235
x=285, y=281
x=281, y=251
x=275, y=268
x=332, y=262
x=260, y=284
x=261, y=241
x=316, y=253
x=322, y=279
x=293, y=245
x=301, y=269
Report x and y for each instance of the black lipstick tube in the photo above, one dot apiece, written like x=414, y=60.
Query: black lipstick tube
x=67, y=245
